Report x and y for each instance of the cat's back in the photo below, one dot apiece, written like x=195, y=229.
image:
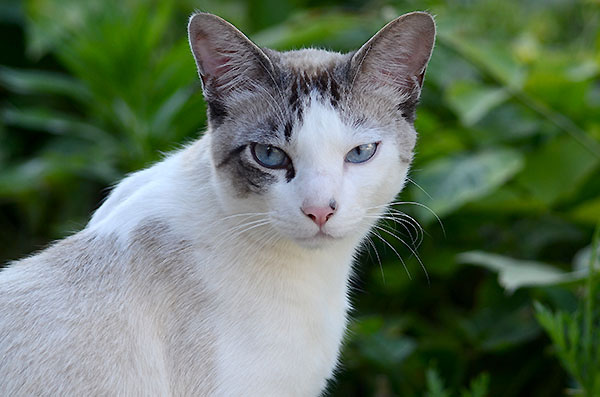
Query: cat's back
x=57, y=318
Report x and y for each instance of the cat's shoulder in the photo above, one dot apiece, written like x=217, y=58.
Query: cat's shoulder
x=155, y=192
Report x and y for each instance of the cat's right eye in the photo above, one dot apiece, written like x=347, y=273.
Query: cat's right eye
x=362, y=153
x=269, y=156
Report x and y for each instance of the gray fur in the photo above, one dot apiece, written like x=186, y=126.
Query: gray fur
x=150, y=272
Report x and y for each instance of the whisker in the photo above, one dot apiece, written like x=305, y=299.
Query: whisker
x=232, y=231
x=248, y=214
x=393, y=249
x=400, y=222
x=420, y=188
x=275, y=106
x=397, y=217
x=416, y=238
x=377, y=256
x=411, y=221
x=422, y=206
x=238, y=233
x=411, y=250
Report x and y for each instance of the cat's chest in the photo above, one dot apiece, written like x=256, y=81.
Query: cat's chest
x=280, y=333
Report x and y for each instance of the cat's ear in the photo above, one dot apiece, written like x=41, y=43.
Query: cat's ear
x=397, y=56
x=227, y=60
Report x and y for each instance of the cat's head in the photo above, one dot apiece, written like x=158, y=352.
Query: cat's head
x=316, y=142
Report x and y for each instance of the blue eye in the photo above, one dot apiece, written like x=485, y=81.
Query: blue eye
x=361, y=153
x=269, y=156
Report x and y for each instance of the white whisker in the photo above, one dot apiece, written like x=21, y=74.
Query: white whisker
x=419, y=205
x=420, y=188
x=393, y=249
x=411, y=250
x=248, y=214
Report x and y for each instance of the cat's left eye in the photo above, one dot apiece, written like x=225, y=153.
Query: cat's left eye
x=361, y=153
x=269, y=156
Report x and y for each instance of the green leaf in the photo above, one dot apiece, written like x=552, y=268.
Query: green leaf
x=509, y=199
x=23, y=178
x=47, y=32
x=557, y=169
x=454, y=181
x=385, y=350
x=43, y=82
x=497, y=330
x=588, y=212
x=515, y=273
x=54, y=122
x=472, y=101
x=583, y=260
x=169, y=109
x=478, y=387
x=493, y=58
x=435, y=384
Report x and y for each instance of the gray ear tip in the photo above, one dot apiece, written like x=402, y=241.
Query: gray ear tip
x=421, y=20
x=200, y=18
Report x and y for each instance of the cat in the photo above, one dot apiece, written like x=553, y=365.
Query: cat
x=223, y=270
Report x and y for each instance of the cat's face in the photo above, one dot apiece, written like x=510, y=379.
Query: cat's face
x=313, y=143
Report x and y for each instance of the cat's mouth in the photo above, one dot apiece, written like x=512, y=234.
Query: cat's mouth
x=317, y=240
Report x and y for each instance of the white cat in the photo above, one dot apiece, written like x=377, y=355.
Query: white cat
x=223, y=270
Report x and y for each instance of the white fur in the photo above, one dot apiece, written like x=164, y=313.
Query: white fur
x=277, y=294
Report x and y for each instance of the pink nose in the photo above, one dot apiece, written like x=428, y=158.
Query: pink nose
x=319, y=215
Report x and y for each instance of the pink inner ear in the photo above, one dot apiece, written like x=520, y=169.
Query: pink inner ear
x=211, y=60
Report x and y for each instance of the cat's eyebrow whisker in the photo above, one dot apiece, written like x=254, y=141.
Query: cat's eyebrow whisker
x=272, y=79
x=273, y=103
x=393, y=249
x=411, y=250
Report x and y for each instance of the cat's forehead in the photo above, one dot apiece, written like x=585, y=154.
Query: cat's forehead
x=308, y=71
x=309, y=61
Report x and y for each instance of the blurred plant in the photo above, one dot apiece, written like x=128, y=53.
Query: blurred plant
x=126, y=78
x=576, y=336
x=435, y=386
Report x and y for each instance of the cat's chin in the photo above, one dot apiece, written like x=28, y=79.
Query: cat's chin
x=319, y=240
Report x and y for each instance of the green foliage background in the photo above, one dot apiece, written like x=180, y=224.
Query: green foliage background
x=508, y=157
